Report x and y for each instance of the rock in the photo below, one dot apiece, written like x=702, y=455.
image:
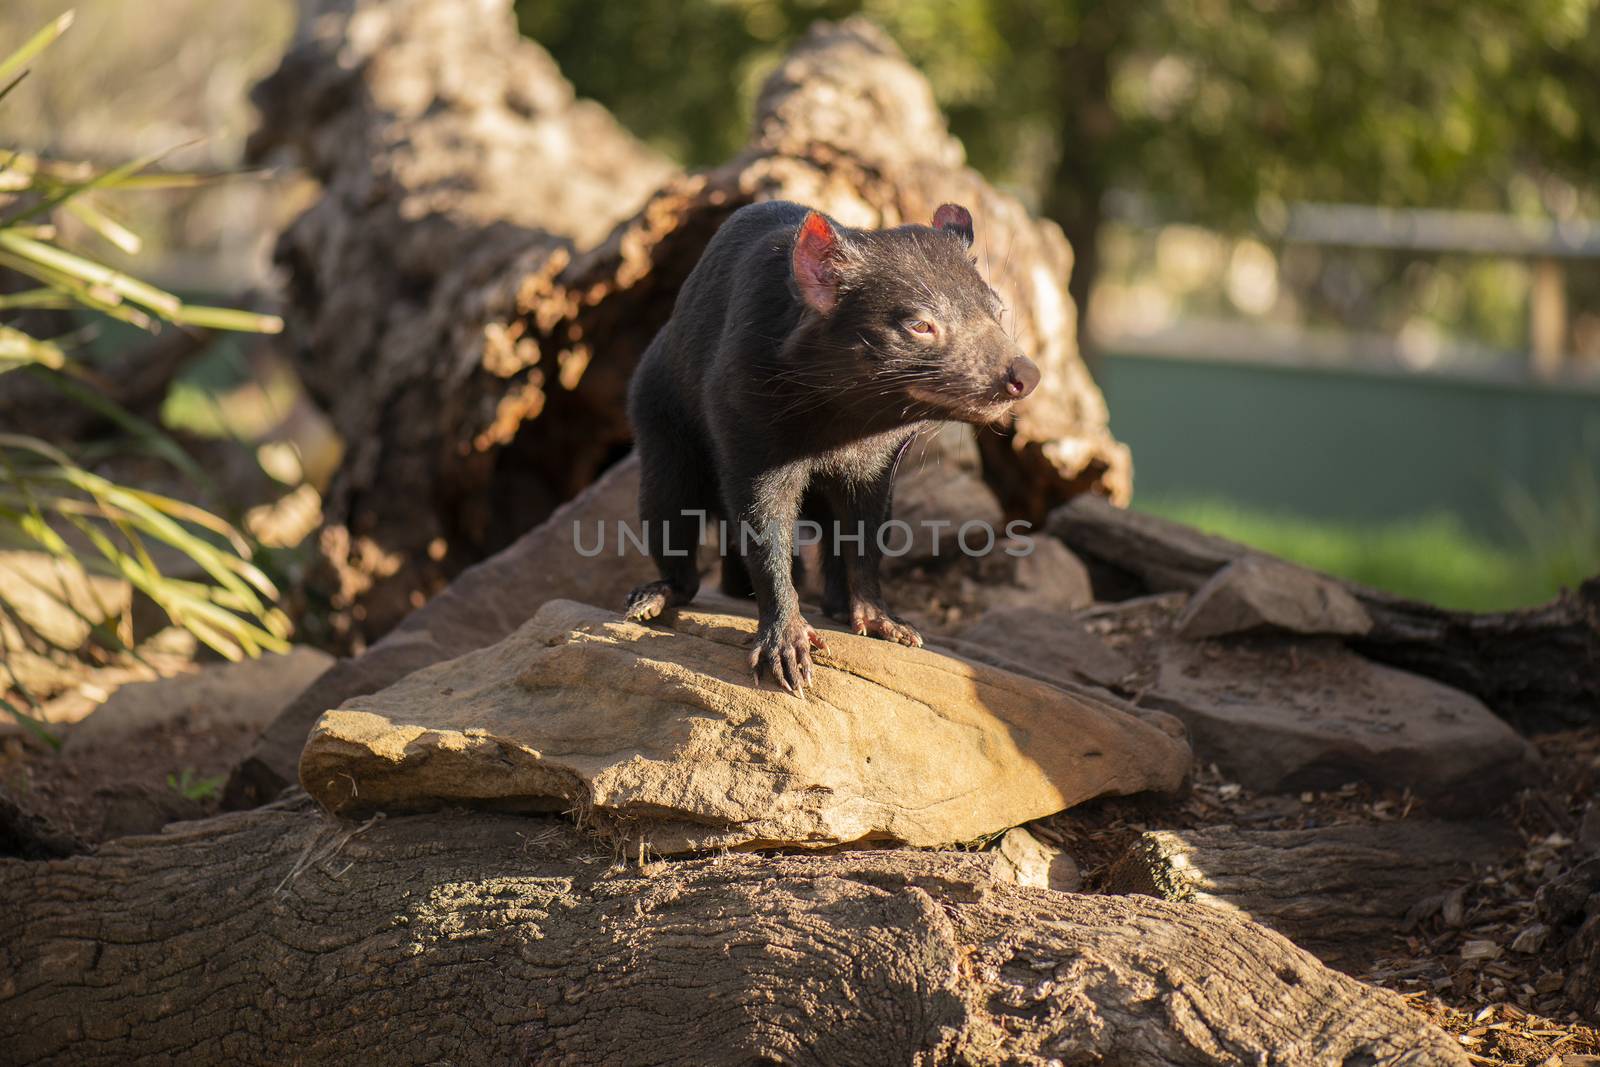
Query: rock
x=490, y=600
x=939, y=489
x=52, y=606
x=961, y=558
x=59, y=603
x=1534, y=666
x=482, y=606
x=1259, y=592
x=1025, y=860
x=1285, y=716
x=1282, y=714
x=1277, y=714
x=244, y=696
x=81, y=687
x=655, y=736
x=1344, y=893
x=1055, y=643
x=1026, y=571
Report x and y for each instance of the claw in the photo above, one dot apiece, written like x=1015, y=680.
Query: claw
x=648, y=601
x=784, y=654
x=873, y=620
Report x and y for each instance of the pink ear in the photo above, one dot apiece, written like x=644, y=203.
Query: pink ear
x=953, y=218
x=816, y=247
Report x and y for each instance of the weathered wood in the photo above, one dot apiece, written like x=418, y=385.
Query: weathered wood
x=1539, y=668
x=455, y=162
x=1342, y=892
x=280, y=936
x=477, y=361
x=1570, y=905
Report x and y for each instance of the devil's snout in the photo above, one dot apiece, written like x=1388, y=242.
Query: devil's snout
x=1021, y=377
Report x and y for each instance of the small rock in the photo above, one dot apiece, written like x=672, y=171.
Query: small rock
x=1259, y=592
x=1032, y=862
x=935, y=503
x=1531, y=940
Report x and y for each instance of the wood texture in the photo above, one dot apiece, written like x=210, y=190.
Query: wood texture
x=1342, y=892
x=281, y=936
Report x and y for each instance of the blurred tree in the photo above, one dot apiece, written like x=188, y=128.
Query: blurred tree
x=1214, y=110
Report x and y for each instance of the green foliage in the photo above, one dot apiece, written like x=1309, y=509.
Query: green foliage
x=1562, y=532
x=1220, y=110
x=1430, y=559
x=190, y=787
x=50, y=502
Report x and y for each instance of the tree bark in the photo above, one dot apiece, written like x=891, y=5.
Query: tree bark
x=1538, y=668
x=1341, y=892
x=455, y=162
x=477, y=362
x=280, y=935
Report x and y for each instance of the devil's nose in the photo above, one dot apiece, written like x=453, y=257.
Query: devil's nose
x=1021, y=377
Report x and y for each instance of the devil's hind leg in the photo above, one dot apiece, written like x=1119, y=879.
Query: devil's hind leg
x=675, y=493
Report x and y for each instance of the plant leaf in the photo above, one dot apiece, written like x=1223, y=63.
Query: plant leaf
x=14, y=63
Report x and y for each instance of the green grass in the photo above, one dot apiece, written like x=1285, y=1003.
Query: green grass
x=1434, y=559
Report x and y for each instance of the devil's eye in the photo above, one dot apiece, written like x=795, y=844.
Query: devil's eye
x=922, y=327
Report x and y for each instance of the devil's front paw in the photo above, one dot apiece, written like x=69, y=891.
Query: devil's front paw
x=783, y=653
x=873, y=620
x=650, y=600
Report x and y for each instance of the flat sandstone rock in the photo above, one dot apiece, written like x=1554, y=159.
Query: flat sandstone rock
x=655, y=736
x=239, y=697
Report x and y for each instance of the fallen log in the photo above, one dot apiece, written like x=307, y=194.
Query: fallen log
x=1344, y=893
x=476, y=359
x=1538, y=668
x=280, y=935
x=455, y=160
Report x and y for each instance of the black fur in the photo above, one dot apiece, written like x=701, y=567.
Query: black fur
x=787, y=385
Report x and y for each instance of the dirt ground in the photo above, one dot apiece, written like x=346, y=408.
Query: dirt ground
x=1456, y=964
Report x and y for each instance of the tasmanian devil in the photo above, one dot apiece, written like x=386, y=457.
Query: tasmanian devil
x=800, y=359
